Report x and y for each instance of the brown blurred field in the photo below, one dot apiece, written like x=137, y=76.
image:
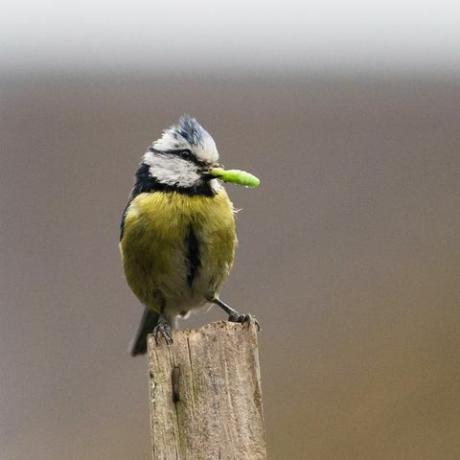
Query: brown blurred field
x=349, y=255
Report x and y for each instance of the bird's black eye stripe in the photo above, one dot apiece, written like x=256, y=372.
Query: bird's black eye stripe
x=185, y=154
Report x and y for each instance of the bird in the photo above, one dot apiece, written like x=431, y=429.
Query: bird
x=177, y=232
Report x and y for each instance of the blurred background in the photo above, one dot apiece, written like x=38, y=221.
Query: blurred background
x=349, y=253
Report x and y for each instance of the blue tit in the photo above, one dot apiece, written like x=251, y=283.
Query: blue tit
x=177, y=235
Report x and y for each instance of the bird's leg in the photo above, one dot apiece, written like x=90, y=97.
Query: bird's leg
x=233, y=315
x=163, y=330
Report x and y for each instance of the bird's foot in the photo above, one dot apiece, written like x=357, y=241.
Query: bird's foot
x=235, y=316
x=163, y=331
x=243, y=318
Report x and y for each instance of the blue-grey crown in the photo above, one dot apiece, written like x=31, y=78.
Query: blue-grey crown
x=190, y=130
x=188, y=134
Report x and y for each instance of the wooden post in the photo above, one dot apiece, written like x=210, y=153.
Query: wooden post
x=205, y=395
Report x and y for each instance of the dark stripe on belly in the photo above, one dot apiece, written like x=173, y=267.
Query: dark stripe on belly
x=193, y=256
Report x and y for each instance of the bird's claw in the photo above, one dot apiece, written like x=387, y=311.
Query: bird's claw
x=244, y=318
x=162, y=331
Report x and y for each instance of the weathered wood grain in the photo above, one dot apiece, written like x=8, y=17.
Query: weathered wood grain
x=205, y=395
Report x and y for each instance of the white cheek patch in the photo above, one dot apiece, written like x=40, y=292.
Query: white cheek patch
x=171, y=169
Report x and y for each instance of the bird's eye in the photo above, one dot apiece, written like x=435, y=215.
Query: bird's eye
x=186, y=154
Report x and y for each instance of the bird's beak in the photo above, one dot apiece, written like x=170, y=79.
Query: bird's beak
x=208, y=170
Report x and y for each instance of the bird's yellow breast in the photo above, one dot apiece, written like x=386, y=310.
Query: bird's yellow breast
x=156, y=248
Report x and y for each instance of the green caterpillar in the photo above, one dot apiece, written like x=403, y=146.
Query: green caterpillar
x=236, y=176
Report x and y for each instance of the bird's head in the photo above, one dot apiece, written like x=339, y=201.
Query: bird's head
x=190, y=137
x=183, y=155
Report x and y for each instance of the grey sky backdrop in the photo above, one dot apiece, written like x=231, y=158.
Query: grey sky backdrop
x=355, y=35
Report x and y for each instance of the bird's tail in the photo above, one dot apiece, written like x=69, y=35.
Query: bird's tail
x=149, y=320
